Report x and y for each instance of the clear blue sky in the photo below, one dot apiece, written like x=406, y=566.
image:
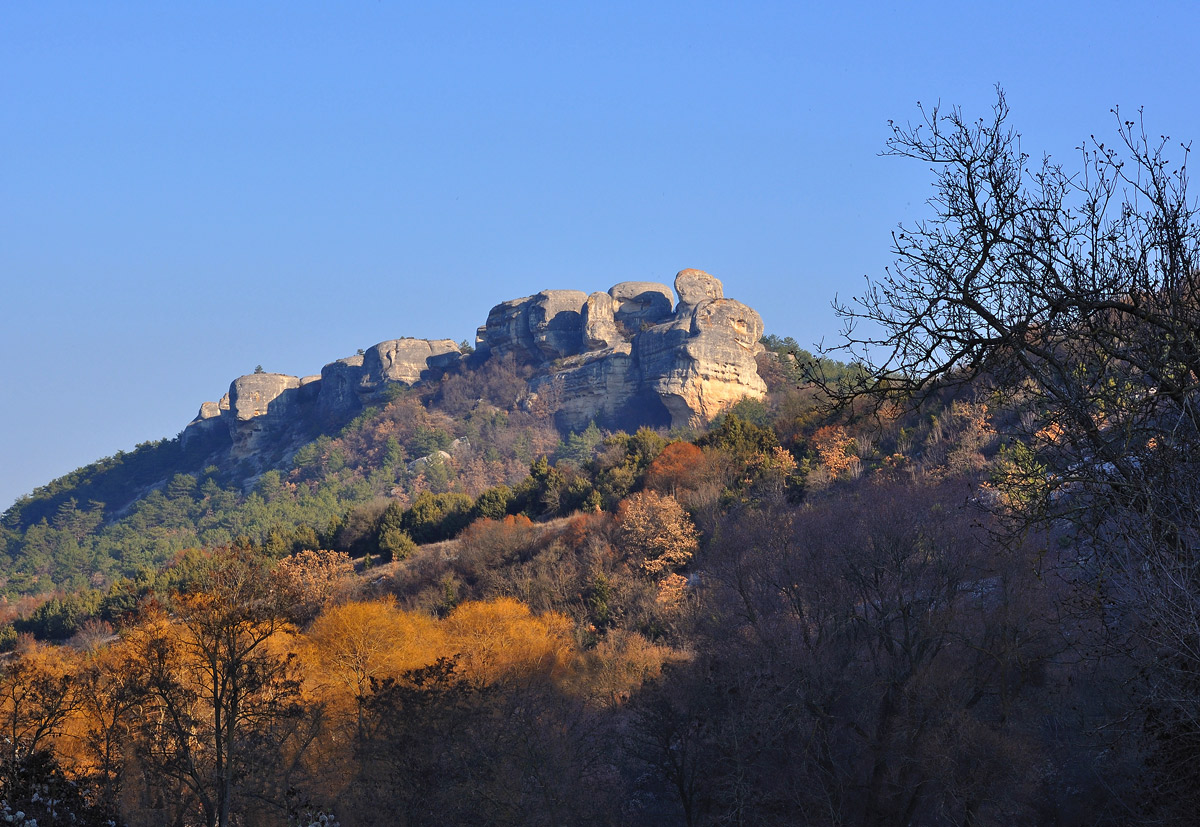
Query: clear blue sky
x=188, y=190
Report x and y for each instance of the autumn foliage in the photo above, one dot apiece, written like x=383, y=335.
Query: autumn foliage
x=656, y=531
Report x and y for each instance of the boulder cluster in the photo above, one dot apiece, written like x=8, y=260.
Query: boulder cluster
x=625, y=357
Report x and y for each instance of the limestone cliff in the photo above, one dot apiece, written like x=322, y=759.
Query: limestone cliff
x=625, y=357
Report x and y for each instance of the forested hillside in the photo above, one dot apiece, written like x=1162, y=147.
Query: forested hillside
x=794, y=611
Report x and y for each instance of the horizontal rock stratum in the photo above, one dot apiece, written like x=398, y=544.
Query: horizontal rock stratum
x=625, y=357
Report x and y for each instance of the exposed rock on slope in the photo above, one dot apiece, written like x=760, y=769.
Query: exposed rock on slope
x=631, y=359
x=625, y=357
x=261, y=406
x=407, y=360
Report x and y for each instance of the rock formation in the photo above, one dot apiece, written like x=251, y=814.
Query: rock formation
x=638, y=361
x=625, y=357
x=260, y=406
x=407, y=360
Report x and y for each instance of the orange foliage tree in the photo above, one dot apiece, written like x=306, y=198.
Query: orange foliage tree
x=216, y=684
x=310, y=579
x=680, y=466
x=655, y=530
x=501, y=639
x=832, y=445
x=353, y=644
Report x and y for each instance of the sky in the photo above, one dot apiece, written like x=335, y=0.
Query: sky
x=188, y=190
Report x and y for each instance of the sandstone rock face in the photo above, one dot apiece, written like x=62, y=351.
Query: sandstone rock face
x=695, y=287
x=206, y=421
x=594, y=387
x=407, y=360
x=258, y=404
x=209, y=410
x=556, y=322
x=310, y=388
x=702, y=363
x=599, y=322
x=641, y=303
x=635, y=360
x=252, y=396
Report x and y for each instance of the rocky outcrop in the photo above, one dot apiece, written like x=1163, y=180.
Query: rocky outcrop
x=703, y=362
x=407, y=360
x=209, y=410
x=260, y=406
x=637, y=359
x=339, y=386
x=694, y=288
x=507, y=332
x=626, y=357
x=254, y=395
x=556, y=322
x=599, y=322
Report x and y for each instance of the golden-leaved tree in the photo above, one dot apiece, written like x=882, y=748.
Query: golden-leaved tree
x=656, y=532
x=219, y=697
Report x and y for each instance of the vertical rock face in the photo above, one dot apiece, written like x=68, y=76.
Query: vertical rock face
x=703, y=362
x=253, y=396
x=507, y=330
x=340, y=381
x=599, y=322
x=259, y=403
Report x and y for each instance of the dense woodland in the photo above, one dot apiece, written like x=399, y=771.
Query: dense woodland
x=956, y=585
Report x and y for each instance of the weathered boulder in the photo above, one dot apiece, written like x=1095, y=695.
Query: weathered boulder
x=599, y=324
x=420, y=463
x=695, y=287
x=407, y=360
x=556, y=322
x=209, y=410
x=260, y=394
x=641, y=303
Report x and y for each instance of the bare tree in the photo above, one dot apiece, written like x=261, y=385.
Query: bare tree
x=1075, y=296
